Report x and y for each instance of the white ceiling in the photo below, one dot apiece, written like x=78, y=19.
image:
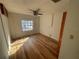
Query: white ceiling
x=23, y=6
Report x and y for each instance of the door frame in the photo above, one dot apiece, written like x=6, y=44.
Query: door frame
x=61, y=30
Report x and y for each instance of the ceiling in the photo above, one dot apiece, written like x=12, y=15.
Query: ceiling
x=23, y=6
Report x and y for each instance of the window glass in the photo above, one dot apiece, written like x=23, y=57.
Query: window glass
x=27, y=25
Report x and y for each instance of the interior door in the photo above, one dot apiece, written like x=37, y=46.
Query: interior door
x=6, y=29
x=3, y=44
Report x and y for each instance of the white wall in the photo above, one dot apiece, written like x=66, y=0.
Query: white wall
x=50, y=24
x=70, y=47
x=15, y=25
x=45, y=24
x=1, y=1
x=57, y=25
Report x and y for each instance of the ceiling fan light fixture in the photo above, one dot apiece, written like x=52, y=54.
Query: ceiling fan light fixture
x=55, y=1
x=36, y=12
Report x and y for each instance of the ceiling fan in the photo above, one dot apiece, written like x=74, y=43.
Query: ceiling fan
x=36, y=12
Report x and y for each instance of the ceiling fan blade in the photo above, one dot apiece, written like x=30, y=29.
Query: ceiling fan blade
x=31, y=9
x=40, y=14
x=36, y=12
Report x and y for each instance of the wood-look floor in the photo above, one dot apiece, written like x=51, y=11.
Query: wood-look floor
x=34, y=47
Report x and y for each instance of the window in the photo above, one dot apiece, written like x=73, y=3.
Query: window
x=27, y=25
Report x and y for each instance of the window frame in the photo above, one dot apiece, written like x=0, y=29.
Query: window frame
x=26, y=20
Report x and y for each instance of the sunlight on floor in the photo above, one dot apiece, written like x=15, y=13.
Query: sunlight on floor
x=17, y=45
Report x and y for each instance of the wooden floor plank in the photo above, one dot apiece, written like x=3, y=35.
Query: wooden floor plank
x=33, y=47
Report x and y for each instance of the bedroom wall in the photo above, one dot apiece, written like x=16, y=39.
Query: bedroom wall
x=1, y=1
x=15, y=25
x=70, y=41
x=50, y=24
x=45, y=24
x=57, y=25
